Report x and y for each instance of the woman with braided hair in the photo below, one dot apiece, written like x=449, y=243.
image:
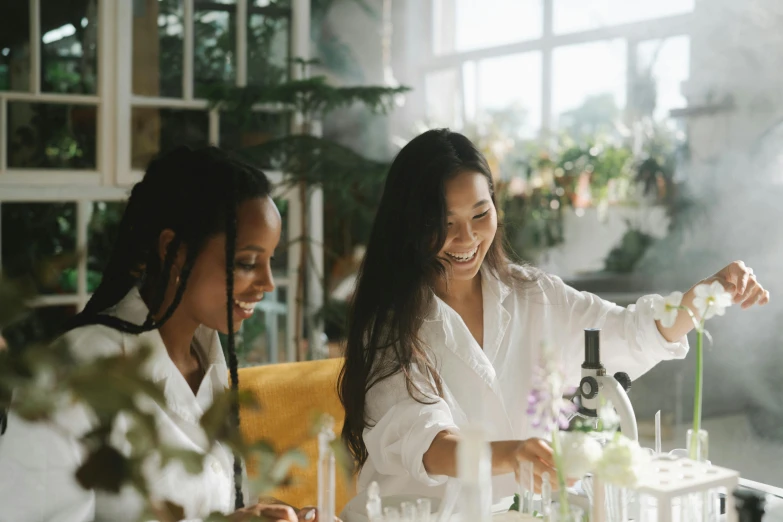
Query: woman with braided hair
x=192, y=258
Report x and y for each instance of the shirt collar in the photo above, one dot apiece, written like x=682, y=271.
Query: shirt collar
x=489, y=281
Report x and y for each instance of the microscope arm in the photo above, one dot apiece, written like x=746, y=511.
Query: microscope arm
x=614, y=392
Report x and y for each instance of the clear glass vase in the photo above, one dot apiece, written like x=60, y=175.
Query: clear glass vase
x=698, y=446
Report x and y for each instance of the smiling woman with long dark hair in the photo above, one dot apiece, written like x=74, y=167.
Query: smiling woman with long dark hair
x=444, y=331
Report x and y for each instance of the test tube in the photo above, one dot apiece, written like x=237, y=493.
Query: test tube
x=526, y=487
x=423, y=510
x=408, y=511
x=546, y=496
x=391, y=514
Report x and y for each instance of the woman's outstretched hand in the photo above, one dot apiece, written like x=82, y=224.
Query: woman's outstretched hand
x=737, y=279
x=740, y=281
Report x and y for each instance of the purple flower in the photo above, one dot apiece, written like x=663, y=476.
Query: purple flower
x=547, y=407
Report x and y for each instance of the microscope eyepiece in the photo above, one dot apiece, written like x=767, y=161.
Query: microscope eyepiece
x=592, y=348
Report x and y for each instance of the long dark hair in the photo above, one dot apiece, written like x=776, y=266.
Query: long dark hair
x=399, y=272
x=194, y=193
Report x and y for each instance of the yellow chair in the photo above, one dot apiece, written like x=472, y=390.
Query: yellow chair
x=292, y=396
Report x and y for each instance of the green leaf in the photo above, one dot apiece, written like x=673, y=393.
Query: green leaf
x=192, y=461
x=285, y=462
x=104, y=469
x=216, y=420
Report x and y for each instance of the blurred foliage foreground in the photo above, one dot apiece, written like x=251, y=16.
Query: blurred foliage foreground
x=47, y=379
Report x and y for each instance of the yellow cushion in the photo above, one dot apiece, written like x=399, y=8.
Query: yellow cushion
x=292, y=396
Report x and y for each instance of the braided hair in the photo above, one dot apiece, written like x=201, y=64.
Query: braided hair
x=195, y=194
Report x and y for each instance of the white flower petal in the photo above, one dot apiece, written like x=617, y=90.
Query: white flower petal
x=716, y=288
x=702, y=290
x=674, y=299
x=581, y=453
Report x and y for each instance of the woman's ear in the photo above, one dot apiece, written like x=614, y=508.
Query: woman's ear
x=164, y=240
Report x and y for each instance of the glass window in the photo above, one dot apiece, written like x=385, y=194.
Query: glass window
x=578, y=15
x=588, y=86
x=240, y=131
x=15, y=47
x=214, y=45
x=443, y=98
x=662, y=68
x=39, y=242
x=484, y=23
x=263, y=336
x=69, y=49
x=509, y=93
x=53, y=136
x=157, y=62
x=101, y=234
x=156, y=130
x=267, y=45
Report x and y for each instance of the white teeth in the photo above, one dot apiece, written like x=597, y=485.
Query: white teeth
x=463, y=257
x=247, y=306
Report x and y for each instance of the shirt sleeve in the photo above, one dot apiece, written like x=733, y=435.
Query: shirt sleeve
x=630, y=339
x=402, y=429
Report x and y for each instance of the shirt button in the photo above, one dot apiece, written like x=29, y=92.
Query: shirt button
x=216, y=467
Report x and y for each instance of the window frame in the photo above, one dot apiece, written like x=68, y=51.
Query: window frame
x=113, y=176
x=633, y=33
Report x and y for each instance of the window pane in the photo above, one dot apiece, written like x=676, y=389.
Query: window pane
x=69, y=49
x=588, y=87
x=53, y=136
x=157, y=62
x=15, y=47
x=240, y=131
x=214, y=45
x=662, y=68
x=280, y=262
x=102, y=233
x=263, y=336
x=156, y=130
x=444, y=101
x=509, y=93
x=577, y=15
x=267, y=46
x=465, y=25
x=39, y=241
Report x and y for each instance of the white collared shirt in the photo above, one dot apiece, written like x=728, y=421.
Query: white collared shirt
x=489, y=387
x=37, y=462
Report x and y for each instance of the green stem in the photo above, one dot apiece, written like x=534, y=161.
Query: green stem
x=697, y=397
x=561, y=483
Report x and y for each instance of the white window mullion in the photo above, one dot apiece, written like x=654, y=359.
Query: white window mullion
x=123, y=80
x=188, y=51
x=631, y=58
x=214, y=127
x=546, y=72
x=294, y=244
x=3, y=134
x=106, y=146
x=83, y=215
x=35, y=46
x=241, y=43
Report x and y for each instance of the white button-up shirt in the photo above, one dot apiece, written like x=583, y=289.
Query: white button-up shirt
x=37, y=462
x=489, y=387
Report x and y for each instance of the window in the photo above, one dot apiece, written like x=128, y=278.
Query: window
x=466, y=25
x=577, y=15
x=508, y=88
x=66, y=167
x=588, y=86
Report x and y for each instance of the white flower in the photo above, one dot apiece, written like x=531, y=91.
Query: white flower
x=622, y=462
x=580, y=453
x=711, y=300
x=609, y=418
x=665, y=309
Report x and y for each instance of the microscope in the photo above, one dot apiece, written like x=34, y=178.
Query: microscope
x=596, y=387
